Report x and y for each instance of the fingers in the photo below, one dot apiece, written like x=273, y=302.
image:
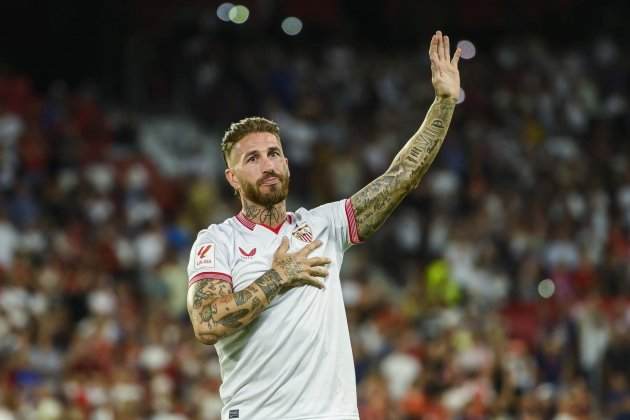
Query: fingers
x=318, y=272
x=315, y=261
x=284, y=246
x=440, y=46
x=447, y=48
x=455, y=60
x=312, y=281
x=310, y=248
x=440, y=49
x=433, y=47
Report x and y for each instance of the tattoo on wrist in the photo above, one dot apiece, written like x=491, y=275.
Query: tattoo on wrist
x=270, y=284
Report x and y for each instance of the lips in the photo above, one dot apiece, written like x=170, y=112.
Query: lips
x=270, y=180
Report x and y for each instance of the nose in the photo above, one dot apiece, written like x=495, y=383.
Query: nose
x=266, y=164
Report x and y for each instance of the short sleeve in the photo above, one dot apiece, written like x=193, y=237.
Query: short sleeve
x=209, y=257
x=340, y=215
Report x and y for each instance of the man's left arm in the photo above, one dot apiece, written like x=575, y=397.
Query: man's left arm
x=376, y=201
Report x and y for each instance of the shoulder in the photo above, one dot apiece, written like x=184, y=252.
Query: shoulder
x=329, y=210
x=220, y=232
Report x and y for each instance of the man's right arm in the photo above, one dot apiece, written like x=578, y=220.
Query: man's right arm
x=216, y=311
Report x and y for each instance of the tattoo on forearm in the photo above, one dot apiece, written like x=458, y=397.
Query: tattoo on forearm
x=233, y=320
x=270, y=284
x=221, y=312
x=256, y=304
x=376, y=201
x=242, y=297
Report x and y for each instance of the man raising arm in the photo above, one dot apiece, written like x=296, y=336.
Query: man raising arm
x=256, y=281
x=376, y=201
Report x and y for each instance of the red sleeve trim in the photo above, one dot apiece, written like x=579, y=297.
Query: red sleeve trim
x=353, y=230
x=210, y=275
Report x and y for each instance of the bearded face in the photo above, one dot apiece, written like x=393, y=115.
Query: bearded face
x=270, y=189
x=259, y=170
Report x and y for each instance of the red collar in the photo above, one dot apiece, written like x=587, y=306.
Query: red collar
x=251, y=225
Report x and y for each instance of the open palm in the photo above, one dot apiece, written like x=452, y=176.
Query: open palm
x=444, y=71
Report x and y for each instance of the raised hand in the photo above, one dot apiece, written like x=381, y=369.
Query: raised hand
x=297, y=269
x=444, y=71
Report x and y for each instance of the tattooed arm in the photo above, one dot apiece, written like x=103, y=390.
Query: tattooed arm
x=375, y=202
x=216, y=311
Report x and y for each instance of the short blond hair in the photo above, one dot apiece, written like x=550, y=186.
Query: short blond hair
x=246, y=126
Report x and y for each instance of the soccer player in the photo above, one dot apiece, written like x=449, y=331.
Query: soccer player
x=264, y=285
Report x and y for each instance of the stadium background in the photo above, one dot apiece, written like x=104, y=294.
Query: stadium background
x=499, y=289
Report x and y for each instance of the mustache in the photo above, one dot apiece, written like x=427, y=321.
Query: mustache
x=268, y=175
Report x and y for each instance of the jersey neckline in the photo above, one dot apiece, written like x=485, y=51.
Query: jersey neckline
x=249, y=224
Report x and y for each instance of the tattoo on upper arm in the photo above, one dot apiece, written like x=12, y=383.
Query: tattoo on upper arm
x=215, y=306
x=376, y=201
x=209, y=289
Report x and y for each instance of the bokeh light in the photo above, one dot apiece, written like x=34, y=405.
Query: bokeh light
x=462, y=96
x=546, y=288
x=223, y=11
x=239, y=14
x=291, y=26
x=468, y=49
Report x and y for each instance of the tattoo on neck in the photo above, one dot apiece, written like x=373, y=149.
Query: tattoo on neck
x=271, y=216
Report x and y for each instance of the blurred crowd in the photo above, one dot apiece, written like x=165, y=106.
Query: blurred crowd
x=500, y=289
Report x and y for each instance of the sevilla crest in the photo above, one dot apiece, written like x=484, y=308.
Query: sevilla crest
x=303, y=233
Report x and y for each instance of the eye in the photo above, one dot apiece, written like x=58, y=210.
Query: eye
x=252, y=158
x=274, y=153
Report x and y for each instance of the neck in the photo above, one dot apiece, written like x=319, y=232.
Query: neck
x=271, y=216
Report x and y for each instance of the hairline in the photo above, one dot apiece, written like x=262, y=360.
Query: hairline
x=228, y=153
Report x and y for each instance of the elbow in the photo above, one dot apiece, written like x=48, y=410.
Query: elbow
x=208, y=338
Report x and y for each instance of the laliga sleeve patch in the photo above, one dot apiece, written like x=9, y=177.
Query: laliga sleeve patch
x=204, y=256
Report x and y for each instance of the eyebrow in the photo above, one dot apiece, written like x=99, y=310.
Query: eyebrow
x=255, y=152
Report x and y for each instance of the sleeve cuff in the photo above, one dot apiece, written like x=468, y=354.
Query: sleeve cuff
x=209, y=275
x=353, y=230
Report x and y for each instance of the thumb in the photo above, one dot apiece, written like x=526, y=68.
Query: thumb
x=284, y=246
x=455, y=60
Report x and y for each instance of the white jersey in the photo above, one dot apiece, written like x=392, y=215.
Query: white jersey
x=294, y=361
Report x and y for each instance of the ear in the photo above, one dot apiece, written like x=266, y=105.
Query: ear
x=232, y=179
x=288, y=170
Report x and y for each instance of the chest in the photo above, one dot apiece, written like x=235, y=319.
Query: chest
x=254, y=251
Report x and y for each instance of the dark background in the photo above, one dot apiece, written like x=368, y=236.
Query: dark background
x=77, y=41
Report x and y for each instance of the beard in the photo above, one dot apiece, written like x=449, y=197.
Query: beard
x=276, y=194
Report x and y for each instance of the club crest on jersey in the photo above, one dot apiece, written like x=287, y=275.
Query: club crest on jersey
x=247, y=255
x=204, y=256
x=303, y=233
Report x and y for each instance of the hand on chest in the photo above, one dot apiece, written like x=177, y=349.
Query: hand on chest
x=254, y=252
